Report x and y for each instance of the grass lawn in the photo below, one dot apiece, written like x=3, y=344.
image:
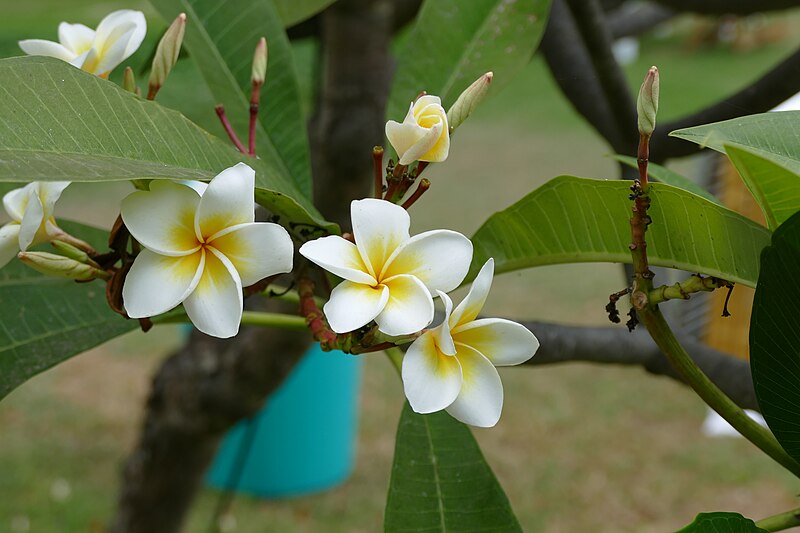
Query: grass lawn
x=579, y=448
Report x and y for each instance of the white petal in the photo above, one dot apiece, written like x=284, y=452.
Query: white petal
x=471, y=305
x=76, y=38
x=431, y=380
x=424, y=101
x=112, y=54
x=16, y=200
x=31, y=220
x=117, y=23
x=339, y=256
x=502, y=341
x=409, y=309
x=256, y=250
x=9, y=242
x=215, y=305
x=198, y=186
x=157, y=283
x=444, y=339
x=88, y=57
x=353, y=305
x=379, y=227
x=40, y=47
x=228, y=201
x=162, y=219
x=402, y=136
x=439, y=258
x=49, y=193
x=480, y=400
x=424, y=144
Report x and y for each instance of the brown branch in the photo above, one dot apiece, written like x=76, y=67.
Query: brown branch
x=727, y=7
x=631, y=19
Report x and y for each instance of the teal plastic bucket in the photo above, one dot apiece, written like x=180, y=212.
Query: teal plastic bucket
x=303, y=440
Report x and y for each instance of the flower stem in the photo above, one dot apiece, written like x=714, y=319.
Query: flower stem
x=395, y=355
x=710, y=393
x=423, y=186
x=377, y=162
x=782, y=521
x=223, y=118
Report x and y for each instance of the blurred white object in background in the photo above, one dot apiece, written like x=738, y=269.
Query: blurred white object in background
x=626, y=50
x=716, y=426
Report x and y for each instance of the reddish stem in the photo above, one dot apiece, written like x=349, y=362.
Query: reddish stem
x=255, y=98
x=642, y=157
x=223, y=118
x=377, y=160
x=423, y=186
x=314, y=317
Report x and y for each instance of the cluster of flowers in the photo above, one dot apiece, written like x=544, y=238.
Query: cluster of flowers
x=201, y=246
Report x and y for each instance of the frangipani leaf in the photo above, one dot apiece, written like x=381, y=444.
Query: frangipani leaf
x=721, y=523
x=46, y=320
x=453, y=42
x=58, y=123
x=574, y=220
x=441, y=482
x=776, y=189
x=293, y=11
x=664, y=175
x=221, y=37
x=775, y=336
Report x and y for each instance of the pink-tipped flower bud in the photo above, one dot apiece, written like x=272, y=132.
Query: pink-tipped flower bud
x=60, y=266
x=167, y=52
x=647, y=103
x=259, y=73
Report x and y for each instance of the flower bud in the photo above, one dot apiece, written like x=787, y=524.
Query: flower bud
x=468, y=101
x=166, y=54
x=259, y=72
x=60, y=266
x=72, y=252
x=647, y=103
x=129, y=80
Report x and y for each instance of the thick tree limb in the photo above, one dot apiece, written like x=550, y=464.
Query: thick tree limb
x=634, y=19
x=725, y=7
x=615, y=345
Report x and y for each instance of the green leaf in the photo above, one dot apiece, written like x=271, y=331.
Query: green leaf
x=664, y=175
x=59, y=123
x=774, y=136
x=721, y=523
x=776, y=189
x=441, y=482
x=775, y=336
x=221, y=37
x=293, y=11
x=574, y=220
x=454, y=42
x=46, y=320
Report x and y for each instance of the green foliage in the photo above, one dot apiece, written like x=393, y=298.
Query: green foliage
x=776, y=189
x=59, y=123
x=441, y=482
x=454, y=42
x=45, y=320
x=721, y=523
x=664, y=175
x=293, y=11
x=571, y=220
x=775, y=336
x=774, y=136
x=221, y=38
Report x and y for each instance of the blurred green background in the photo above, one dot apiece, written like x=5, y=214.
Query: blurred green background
x=579, y=448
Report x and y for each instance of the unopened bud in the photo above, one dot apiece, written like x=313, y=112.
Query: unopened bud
x=647, y=103
x=60, y=266
x=167, y=52
x=73, y=252
x=469, y=100
x=129, y=80
x=259, y=73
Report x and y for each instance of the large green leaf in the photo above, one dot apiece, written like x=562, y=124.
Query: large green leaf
x=664, y=175
x=453, y=42
x=721, y=523
x=776, y=189
x=221, y=36
x=441, y=482
x=59, y=123
x=45, y=320
x=775, y=336
x=775, y=136
x=293, y=11
x=573, y=220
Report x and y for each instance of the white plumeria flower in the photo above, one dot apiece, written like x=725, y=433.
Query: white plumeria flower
x=117, y=37
x=389, y=275
x=453, y=365
x=424, y=134
x=31, y=211
x=201, y=250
